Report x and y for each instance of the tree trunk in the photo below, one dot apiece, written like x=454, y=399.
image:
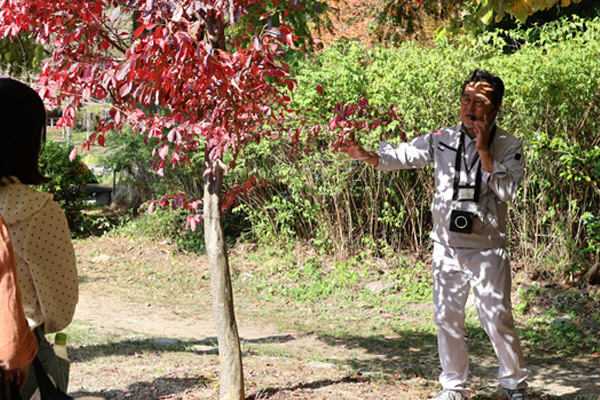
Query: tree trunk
x=232, y=375
x=593, y=272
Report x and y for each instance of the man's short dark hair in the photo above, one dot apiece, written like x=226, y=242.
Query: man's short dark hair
x=22, y=130
x=480, y=75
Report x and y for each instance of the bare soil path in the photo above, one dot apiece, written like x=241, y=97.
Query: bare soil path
x=151, y=350
x=156, y=320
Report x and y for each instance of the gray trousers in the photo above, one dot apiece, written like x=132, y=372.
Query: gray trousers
x=487, y=272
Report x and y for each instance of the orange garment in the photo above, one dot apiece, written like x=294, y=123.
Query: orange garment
x=18, y=345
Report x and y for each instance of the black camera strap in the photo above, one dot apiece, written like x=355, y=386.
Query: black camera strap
x=460, y=155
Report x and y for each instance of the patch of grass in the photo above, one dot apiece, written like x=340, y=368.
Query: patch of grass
x=390, y=331
x=266, y=350
x=144, y=270
x=83, y=334
x=164, y=224
x=335, y=293
x=560, y=320
x=57, y=135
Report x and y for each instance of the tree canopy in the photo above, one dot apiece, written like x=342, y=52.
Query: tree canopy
x=399, y=20
x=176, y=77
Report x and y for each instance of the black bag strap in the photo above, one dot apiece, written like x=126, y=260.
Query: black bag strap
x=457, y=166
x=4, y=388
x=9, y=390
x=48, y=390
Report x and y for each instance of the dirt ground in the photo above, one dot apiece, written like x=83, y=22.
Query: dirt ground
x=169, y=353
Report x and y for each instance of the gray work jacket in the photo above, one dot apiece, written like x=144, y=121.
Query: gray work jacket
x=497, y=188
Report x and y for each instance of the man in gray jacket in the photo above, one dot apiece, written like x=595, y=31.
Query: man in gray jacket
x=478, y=169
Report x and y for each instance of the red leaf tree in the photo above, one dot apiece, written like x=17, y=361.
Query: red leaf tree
x=175, y=76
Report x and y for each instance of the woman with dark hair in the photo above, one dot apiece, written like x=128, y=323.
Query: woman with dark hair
x=38, y=227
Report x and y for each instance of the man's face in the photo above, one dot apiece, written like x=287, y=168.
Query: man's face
x=476, y=101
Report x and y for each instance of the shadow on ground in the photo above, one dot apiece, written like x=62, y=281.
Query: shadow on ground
x=159, y=388
x=410, y=354
x=130, y=347
x=269, y=392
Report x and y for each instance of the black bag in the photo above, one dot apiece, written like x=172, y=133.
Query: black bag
x=48, y=391
x=9, y=390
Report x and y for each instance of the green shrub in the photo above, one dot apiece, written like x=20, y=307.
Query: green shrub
x=169, y=224
x=551, y=103
x=67, y=181
x=163, y=224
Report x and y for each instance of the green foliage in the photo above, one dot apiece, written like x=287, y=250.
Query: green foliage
x=305, y=282
x=335, y=203
x=551, y=103
x=408, y=76
x=558, y=112
x=310, y=280
x=475, y=16
x=414, y=281
x=371, y=295
x=276, y=223
x=567, y=320
x=68, y=178
x=21, y=57
x=168, y=224
x=131, y=156
x=585, y=9
x=163, y=224
x=314, y=284
x=305, y=18
x=591, y=224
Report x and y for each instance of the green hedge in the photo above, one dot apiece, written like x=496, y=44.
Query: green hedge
x=67, y=181
x=551, y=103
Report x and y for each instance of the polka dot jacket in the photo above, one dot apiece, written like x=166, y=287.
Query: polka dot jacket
x=45, y=258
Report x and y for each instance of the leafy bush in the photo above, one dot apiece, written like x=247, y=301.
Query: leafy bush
x=592, y=226
x=551, y=103
x=168, y=224
x=67, y=181
x=163, y=223
x=131, y=156
x=21, y=57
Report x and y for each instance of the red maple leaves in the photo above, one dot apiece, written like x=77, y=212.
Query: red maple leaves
x=164, y=78
x=171, y=76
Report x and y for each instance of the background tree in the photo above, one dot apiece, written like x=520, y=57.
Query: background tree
x=21, y=56
x=395, y=21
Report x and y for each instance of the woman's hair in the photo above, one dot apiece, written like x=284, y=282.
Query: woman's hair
x=22, y=131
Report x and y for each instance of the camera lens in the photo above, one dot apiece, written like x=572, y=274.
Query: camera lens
x=461, y=222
